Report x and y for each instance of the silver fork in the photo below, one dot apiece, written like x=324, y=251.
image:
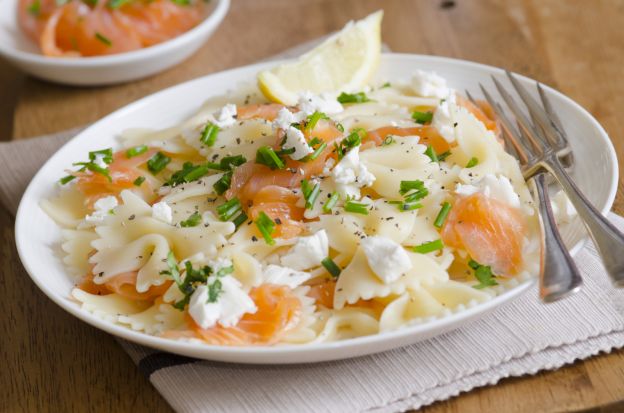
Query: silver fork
x=546, y=136
x=558, y=276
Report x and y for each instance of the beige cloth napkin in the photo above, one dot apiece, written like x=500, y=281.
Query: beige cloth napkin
x=521, y=337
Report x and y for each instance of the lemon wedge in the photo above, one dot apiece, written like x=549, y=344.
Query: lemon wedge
x=344, y=62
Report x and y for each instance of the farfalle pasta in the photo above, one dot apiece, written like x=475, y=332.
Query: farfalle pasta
x=253, y=223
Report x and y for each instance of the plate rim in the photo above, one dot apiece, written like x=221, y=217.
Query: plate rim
x=254, y=355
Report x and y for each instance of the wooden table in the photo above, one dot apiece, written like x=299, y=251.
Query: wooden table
x=53, y=362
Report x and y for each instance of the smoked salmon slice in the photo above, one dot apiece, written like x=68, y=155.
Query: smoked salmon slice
x=428, y=136
x=490, y=231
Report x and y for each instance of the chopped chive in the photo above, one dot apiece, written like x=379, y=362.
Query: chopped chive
x=283, y=151
x=106, y=154
x=316, y=153
x=314, y=141
x=103, y=39
x=356, y=207
x=312, y=195
x=389, y=140
x=66, y=179
x=136, y=151
x=443, y=155
x=158, y=162
x=472, y=162
x=223, y=184
x=227, y=210
x=34, y=8
x=431, y=153
x=115, y=4
x=313, y=120
x=439, y=221
x=422, y=117
x=359, y=97
x=340, y=127
x=416, y=195
x=196, y=173
x=240, y=219
x=173, y=271
x=266, y=226
x=331, y=267
x=139, y=181
x=483, y=273
x=407, y=186
x=192, y=221
x=209, y=134
x=410, y=206
x=354, y=138
x=429, y=247
x=227, y=162
x=385, y=85
x=331, y=202
x=267, y=156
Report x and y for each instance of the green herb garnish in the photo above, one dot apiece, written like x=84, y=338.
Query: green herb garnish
x=158, y=162
x=227, y=210
x=483, y=274
x=266, y=226
x=103, y=39
x=139, y=181
x=223, y=184
x=136, y=151
x=389, y=140
x=310, y=193
x=422, y=117
x=66, y=179
x=209, y=134
x=331, y=267
x=313, y=119
x=356, y=207
x=431, y=153
x=240, y=219
x=472, y=162
x=439, y=221
x=359, y=97
x=34, y=8
x=194, y=220
x=267, y=156
x=429, y=246
x=443, y=156
x=95, y=157
x=331, y=202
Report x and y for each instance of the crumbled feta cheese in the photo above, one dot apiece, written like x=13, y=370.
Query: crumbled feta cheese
x=562, y=208
x=296, y=139
x=276, y=274
x=350, y=174
x=226, y=116
x=310, y=103
x=285, y=118
x=429, y=84
x=162, y=212
x=103, y=207
x=232, y=303
x=99, y=161
x=308, y=252
x=219, y=263
x=499, y=188
x=386, y=258
x=444, y=118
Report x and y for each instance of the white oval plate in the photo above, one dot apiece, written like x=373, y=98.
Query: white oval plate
x=18, y=49
x=37, y=236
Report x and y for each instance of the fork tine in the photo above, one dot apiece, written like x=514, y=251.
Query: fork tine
x=523, y=122
x=552, y=115
x=539, y=114
x=520, y=149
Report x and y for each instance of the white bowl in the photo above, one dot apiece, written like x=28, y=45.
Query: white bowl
x=20, y=50
x=37, y=236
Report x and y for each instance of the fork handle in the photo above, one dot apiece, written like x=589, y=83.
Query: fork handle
x=608, y=239
x=559, y=276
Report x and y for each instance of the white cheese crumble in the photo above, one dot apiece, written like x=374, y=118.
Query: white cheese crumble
x=295, y=139
x=226, y=116
x=162, y=212
x=232, y=303
x=386, y=258
x=350, y=174
x=103, y=207
x=429, y=84
x=285, y=118
x=444, y=118
x=562, y=208
x=276, y=274
x=499, y=188
x=307, y=252
x=310, y=103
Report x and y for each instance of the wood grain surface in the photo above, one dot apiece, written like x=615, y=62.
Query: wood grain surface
x=55, y=363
